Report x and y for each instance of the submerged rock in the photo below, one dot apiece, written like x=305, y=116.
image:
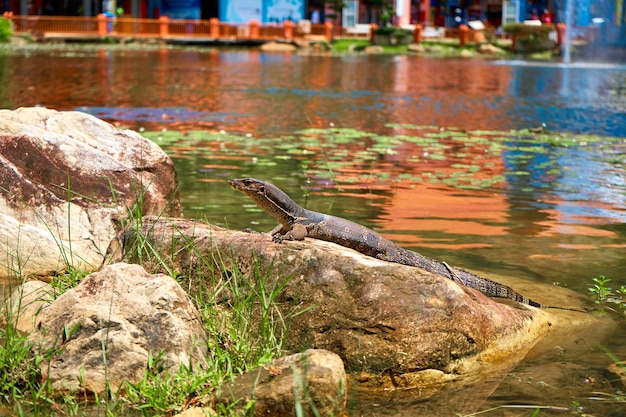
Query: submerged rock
x=398, y=326
x=67, y=181
x=109, y=325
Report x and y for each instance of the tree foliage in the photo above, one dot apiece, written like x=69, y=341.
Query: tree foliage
x=5, y=29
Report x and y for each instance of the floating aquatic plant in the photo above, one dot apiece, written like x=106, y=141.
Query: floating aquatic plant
x=462, y=159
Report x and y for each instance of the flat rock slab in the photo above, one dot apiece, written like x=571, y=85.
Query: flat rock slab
x=395, y=325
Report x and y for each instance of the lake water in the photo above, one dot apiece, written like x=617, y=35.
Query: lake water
x=419, y=149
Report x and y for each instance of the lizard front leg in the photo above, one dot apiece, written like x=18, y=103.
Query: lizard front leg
x=297, y=232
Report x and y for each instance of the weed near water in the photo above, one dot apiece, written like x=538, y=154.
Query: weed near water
x=607, y=297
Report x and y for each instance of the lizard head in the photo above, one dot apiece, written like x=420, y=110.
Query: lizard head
x=248, y=186
x=268, y=197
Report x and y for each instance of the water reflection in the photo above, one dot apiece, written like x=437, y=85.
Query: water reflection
x=421, y=194
x=580, y=185
x=165, y=115
x=279, y=93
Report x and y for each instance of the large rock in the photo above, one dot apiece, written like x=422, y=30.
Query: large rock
x=67, y=182
x=395, y=325
x=111, y=322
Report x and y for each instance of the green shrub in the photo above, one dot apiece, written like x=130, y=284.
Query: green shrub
x=522, y=30
x=393, y=30
x=392, y=35
x=529, y=38
x=5, y=29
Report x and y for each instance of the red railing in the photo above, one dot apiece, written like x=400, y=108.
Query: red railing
x=102, y=26
x=54, y=24
x=128, y=26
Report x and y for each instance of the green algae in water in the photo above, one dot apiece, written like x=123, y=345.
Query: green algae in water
x=332, y=152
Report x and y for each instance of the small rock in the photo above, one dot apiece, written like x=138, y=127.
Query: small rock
x=197, y=412
x=435, y=49
x=18, y=41
x=278, y=47
x=489, y=49
x=417, y=47
x=374, y=49
x=619, y=368
x=313, y=379
x=466, y=53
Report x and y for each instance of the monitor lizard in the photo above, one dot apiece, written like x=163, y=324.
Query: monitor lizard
x=296, y=223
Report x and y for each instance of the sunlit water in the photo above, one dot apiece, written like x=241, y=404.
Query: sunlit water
x=423, y=164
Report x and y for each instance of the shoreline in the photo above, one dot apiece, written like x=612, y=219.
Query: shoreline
x=430, y=48
x=440, y=48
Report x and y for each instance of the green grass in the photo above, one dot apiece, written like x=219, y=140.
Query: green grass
x=442, y=48
x=344, y=45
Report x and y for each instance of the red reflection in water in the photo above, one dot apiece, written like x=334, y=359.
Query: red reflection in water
x=233, y=91
x=424, y=208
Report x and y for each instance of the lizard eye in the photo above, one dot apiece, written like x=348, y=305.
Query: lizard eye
x=262, y=189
